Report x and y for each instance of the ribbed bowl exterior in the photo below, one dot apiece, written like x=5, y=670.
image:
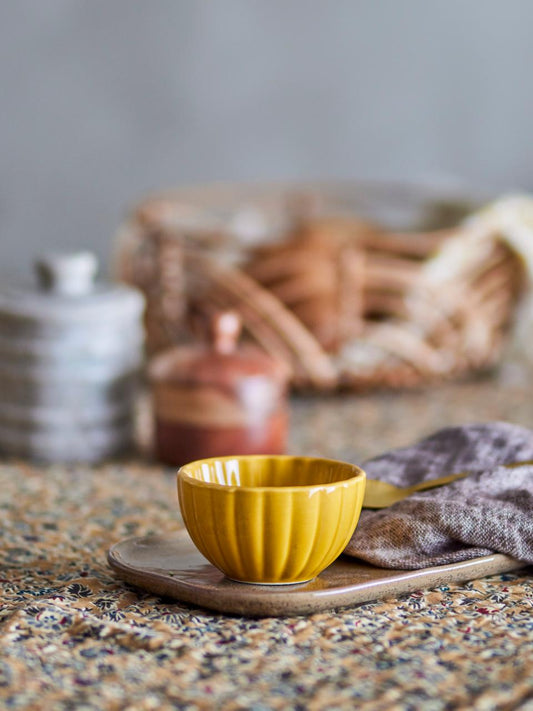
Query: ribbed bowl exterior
x=272, y=533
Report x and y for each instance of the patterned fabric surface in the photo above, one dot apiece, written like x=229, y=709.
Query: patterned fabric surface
x=491, y=510
x=73, y=636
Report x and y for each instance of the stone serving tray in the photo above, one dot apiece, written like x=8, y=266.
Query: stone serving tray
x=171, y=566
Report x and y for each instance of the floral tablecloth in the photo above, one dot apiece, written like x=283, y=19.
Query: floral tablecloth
x=73, y=636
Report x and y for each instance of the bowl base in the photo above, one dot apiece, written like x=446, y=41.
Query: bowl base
x=252, y=582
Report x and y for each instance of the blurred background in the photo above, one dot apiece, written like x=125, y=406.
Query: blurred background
x=103, y=102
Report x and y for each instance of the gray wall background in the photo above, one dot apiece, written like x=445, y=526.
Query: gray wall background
x=104, y=100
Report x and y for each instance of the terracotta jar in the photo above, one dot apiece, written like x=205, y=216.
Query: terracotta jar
x=71, y=351
x=218, y=399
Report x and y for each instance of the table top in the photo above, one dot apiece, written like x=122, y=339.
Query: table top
x=75, y=636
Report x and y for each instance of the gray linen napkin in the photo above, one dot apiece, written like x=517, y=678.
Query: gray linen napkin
x=489, y=511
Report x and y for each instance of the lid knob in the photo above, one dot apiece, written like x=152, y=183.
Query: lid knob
x=67, y=274
x=225, y=332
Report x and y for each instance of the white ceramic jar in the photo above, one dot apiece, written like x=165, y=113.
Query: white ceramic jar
x=71, y=353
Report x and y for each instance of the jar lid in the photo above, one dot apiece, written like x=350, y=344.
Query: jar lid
x=222, y=362
x=65, y=289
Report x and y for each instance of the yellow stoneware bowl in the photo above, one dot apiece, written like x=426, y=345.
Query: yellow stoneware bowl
x=270, y=519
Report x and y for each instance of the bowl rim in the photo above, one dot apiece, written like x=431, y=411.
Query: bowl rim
x=360, y=474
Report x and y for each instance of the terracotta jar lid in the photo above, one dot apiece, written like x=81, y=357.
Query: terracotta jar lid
x=223, y=361
x=219, y=398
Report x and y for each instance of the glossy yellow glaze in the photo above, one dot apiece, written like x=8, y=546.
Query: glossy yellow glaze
x=270, y=519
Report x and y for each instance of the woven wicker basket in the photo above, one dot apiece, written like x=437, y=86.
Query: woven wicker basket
x=345, y=283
